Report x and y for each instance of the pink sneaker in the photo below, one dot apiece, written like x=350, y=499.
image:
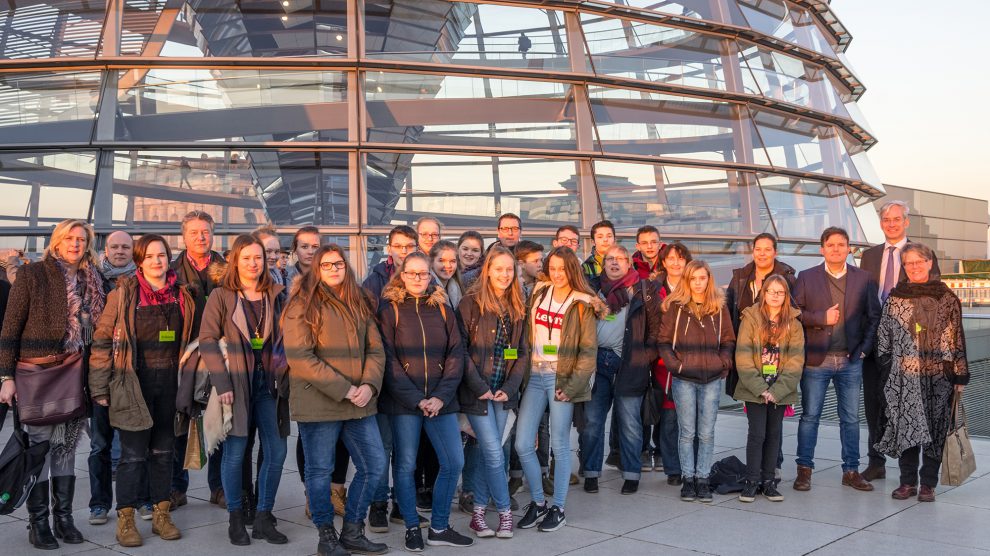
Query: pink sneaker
x=504, y=525
x=478, y=524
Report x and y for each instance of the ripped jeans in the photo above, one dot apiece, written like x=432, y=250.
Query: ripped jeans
x=146, y=456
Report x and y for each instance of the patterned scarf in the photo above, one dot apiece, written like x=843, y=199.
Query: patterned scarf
x=147, y=296
x=111, y=272
x=617, y=292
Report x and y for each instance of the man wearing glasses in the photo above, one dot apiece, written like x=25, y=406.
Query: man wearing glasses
x=402, y=240
x=567, y=236
x=509, y=231
x=428, y=229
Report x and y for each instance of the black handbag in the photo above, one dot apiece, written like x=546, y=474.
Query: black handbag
x=20, y=465
x=651, y=408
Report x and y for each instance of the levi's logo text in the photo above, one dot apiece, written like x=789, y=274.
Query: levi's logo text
x=548, y=320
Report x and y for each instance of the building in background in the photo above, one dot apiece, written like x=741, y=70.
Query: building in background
x=714, y=120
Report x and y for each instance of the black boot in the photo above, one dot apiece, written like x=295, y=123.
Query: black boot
x=329, y=543
x=264, y=528
x=352, y=539
x=249, y=506
x=236, y=529
x=40, y=534
x=63, y=489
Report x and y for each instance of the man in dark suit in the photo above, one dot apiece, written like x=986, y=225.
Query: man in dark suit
x=840, y=311
x=883, y=263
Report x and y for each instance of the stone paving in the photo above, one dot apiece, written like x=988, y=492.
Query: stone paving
x=830, y=519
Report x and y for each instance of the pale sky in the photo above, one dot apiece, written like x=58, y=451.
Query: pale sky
x=924, y=65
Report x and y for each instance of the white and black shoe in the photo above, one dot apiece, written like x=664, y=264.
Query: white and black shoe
x=447, y=537
x=534, y=513
x=748, y=493
x=414, y=539
x=554, y=520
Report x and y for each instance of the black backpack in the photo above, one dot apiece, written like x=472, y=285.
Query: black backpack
x=728, y=475
x=20, y=465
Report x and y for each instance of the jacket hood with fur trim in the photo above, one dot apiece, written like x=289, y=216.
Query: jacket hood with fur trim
x=597, y=304
x=398, y=294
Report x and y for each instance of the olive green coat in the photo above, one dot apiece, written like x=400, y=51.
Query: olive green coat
x=749, y=361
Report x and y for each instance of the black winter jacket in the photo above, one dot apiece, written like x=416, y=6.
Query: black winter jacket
x=377, y=279
x=478, y=332
x=639, y=343
x=696, y=350
x=736, y=294
x=423, y=351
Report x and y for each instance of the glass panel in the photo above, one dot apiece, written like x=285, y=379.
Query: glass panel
x=453, y=110
x=464, y=33
x=232, y=105
x=681, y=200
x=469, y=191
x=639, y=122
x=47, y=108
x=253, y=28
x=295, y=188
x=138, y=24
x=725, y=11
x=788, y=22
x=802, y=145
x=41, y=189
x=635, y=50
x=785, y=78
x=803, y=208
x=53, y=29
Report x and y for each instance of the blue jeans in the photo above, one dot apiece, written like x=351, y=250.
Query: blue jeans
x=364, y=443
x=444, y=433
x=540, y=393
x=626, y=415
x=848, y=379
x=385, y=431
x=100, y=465
x=492, y=480
x=667, y=441
x=264, y=414
x=697, y=408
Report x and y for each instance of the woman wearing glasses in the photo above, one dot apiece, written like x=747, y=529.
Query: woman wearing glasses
x=769, y=360
x=425, y=363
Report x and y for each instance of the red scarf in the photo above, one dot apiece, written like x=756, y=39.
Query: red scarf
x=617, y=292
x=169, y=294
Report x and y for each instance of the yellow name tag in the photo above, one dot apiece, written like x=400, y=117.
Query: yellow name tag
x=549, y=349
x=257, y=343
x=769, y=369
x=510, y=353
x=166, y=335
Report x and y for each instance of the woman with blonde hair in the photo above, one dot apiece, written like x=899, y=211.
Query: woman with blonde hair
x=696, y=344
x=769, y=361
x=51, y=313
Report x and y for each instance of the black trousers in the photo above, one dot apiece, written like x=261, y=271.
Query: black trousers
x=146, y=456
x=873, y=407
x=908, y=463
x=766, y=421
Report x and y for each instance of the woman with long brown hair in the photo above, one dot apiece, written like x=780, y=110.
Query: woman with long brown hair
x=337, y=363
x=249, y=374
x=696, y=344
x=769, y=360
x=494, y=318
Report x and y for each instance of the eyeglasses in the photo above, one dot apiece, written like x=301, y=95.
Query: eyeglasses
x=337, y=265
x=566, y=241
x=430, y=236
x=417, y=275
x=616, y=259
x=403, y=248
x=508, y=229
x=775, y=293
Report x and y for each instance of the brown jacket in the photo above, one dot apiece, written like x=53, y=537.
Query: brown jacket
x=114, y=354
x=322, y=370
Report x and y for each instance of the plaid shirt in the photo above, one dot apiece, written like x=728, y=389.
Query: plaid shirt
x=503, y=333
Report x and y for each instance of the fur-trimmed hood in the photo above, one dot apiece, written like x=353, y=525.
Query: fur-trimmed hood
x=597, y=304
x=436, y=296
x=216, y=271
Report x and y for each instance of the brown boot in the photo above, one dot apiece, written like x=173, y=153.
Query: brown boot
x=161, y=523
x=803, y=480
x=855, y=480
x=127, y=533
x=338, y=496
x=874, y=472
x=926, y=494
x=904, y=492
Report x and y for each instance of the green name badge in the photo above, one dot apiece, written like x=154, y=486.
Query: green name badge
x=510, y=353
x=166, y=335
x=609, y=317
x=769, y=369
x=549, y=349
x=257, y=343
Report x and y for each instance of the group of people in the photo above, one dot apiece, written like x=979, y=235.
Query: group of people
x=456, y=364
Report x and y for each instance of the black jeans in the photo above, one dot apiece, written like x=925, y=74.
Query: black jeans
x=763, y=442
x=146, y=456
x=873, y=408
x=100, y=471
x=908, y=463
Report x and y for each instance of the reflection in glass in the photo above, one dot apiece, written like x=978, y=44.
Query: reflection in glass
x=236, y=187
x=788, y=79
x=803, y=208
x=52, y=29
x=799, y=144
x=724, y=11
x=466, y=33
x=786, y=21
x=455, y=110
x=233, y=105
x=42, y=188
x=47, y=108
x=681, y=200
x=468, y=191
x=654, y=124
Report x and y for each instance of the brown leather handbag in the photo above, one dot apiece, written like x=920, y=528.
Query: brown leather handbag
x=50, y=389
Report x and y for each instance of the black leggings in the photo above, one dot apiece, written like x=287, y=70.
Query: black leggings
x=427, y=464
x=908, y=463
x=146, y=456
x=763, y=442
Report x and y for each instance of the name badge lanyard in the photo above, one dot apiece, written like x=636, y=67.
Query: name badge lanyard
x=256, y=342
x=508, y=353
x=165, y=309
x=553, y=316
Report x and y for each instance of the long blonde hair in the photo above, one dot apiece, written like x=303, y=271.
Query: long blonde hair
x=769, y=333
x=511, y=300
x=61, y=230
x=714, y=298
